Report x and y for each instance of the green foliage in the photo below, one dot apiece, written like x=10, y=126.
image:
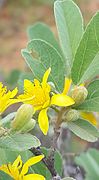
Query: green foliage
x=58, y=163
x=7, y=156
x=87, y=51
x=19, y=142
x=42, y=31
x=84, y=130
x=40, y=55
x=66, y=15
x=92, y=101
x=90, y=162
x=92, y=70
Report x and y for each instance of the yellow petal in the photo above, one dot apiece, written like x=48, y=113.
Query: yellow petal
x=33, y=177
x=17, y=162
x=43, y=121
x=31, y=162
x=28, y=85
x=13, y=101
x=90, y=117
x=5, y=169
x=36, y=82
x=67, y=85
x=14, y=92
x=45, y=77
x=61, y=100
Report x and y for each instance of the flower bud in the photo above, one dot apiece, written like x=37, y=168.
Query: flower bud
x=29, y=126
x=79, y=94
x=23, y=116
x=72, y=115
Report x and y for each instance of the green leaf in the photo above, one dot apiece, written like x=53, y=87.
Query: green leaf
x=42, y=31
x=7, y=156
x=84, y=130
x=39, y=56
x=91, y=166
x=68, y=17
x=87, y=51
x=58, y=163
x=92, y=101
x=7, y=119
x=93, y=69
x=19, y=142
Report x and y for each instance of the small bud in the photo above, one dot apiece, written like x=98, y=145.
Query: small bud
x=72, y=115
x=79, y=94
x=29, y=126
x=23, y=116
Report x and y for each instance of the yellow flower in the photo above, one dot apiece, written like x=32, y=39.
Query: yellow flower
x=19, y=172
x=6, y=98
x=38, y=95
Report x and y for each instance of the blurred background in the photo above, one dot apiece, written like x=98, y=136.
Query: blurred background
x=15, y=17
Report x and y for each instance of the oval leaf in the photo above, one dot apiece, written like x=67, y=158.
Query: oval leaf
x=84, y=130
x=42, y=31
x=19, y=142
x=87, y=50
x=40, y=56
x=66, y=15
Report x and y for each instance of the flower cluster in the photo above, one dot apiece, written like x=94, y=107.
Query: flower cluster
x=39, y=95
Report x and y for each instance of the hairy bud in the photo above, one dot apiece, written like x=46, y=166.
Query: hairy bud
x=72, y=115
x=29, y=126
x=79, y=94
x=23, y=116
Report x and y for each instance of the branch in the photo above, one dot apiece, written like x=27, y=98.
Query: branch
x=57, y=127
x=48, y=161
